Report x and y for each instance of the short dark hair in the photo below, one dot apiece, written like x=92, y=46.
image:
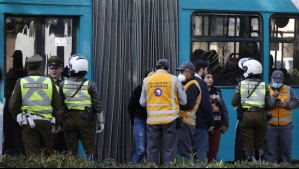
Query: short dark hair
x=34, y=67
x=149, y=71
x=162, y=67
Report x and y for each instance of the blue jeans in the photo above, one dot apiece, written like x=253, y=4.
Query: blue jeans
x=140, y=140
x=201, y=140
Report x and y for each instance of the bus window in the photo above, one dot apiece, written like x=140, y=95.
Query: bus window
x=222, y=39
x=284, y=43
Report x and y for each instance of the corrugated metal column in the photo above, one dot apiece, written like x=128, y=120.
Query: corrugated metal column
x=129, y=37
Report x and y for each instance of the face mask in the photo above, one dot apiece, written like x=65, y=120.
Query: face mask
x=182, y=78
x=276, y=85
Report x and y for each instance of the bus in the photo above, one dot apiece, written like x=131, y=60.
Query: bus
x=224, y=31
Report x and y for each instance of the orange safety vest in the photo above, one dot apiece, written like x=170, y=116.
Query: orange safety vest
x=162, y=100
x=189, y=116
x=281, y=116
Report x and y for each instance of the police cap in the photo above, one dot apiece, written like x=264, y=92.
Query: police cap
x=55, y=62
x=35, y=59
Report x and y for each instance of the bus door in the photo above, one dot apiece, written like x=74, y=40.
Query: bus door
x=24, y=37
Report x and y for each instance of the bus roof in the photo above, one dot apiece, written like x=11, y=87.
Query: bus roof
x=242, y=5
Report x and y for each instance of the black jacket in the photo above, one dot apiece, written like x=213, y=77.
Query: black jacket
x=222, y=108
x=134, y=107
x=204, y=114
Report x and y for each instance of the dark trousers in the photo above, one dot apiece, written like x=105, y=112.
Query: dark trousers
x=75, y=129
x=186, y=140
x=59, y=144
x=278, y=143
x=253, y=129
x=13, y=141
x=214, y=140
x=38, y=138
x=161, y=136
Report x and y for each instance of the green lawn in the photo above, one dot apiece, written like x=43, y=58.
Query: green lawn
x=66, y=161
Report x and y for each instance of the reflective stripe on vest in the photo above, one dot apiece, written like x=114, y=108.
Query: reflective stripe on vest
x=37, y=95
x=281, y=116
x=57, y=87
x=82, y=97
x=161, y=98
x=257, y=98
x=189, y=116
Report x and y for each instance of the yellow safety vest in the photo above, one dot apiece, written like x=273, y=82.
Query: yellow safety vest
x=37, y=96
x=257, y=98
x=82, y=97
x=281, y=116
x=162, y=101
x=189, y=116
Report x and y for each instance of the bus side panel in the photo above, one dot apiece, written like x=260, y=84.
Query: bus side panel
x=184, y=35
x=227, y=141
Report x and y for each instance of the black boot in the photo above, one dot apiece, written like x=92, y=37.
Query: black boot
x=259, y=154
x=248, y=155
x=91, y=158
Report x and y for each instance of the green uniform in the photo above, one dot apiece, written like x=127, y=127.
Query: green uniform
x=75, y=127
x=254, y=123
x=35, y=95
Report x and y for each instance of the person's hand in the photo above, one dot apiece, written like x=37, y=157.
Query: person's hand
x=223, y=129
x=215, y=108
x=100, y=128
x=211, y=130
x=213, y=96
x=282, y=104
x=55, y=129
x=100, y=122
x=276, y=93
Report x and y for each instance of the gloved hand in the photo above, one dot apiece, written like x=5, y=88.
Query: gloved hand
x=55, y=129
x=21, y=119
x=100, y=122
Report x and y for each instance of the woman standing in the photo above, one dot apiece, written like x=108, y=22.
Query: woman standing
x=220, y=115
x=138, y=117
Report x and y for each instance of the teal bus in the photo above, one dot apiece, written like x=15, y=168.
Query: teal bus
x=224, y=31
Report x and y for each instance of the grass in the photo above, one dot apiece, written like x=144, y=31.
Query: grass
x=67, y=161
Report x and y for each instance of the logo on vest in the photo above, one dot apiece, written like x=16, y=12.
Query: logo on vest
x=158, y=92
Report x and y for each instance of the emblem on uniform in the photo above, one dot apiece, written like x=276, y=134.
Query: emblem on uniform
x=158, y=92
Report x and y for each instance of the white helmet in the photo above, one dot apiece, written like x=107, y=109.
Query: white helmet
x=252, y=67
x=242, y=61
x=78, y=63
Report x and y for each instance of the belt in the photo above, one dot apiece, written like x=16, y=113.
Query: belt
x=75, y=110
x=252, y=109
x=37, y=117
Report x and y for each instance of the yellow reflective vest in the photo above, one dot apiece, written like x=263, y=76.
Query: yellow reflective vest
x=257, y=98
x=281, y=116
x=189, y=117
x=37, y=95
x=162, y=100
x=82, y=97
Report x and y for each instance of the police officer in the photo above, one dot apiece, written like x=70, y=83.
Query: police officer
x=161, y=94
x=252, y=96
x=82, y=100
x=33, y=103
x=188, y=111
x=55, y=68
